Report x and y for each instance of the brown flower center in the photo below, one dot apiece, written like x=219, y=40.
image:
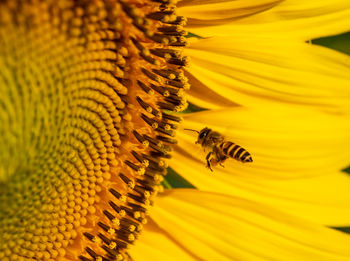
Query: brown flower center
x=87, y=94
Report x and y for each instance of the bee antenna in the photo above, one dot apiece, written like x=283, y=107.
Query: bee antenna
x=192, y=130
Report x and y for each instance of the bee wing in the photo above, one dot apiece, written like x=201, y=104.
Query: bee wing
x=216, y=137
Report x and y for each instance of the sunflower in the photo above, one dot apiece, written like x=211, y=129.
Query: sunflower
x=90, y=98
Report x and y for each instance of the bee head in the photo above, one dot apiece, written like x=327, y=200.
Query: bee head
x=202, y=135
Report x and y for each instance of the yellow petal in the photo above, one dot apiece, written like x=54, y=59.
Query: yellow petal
x=291, y=19
x=204, y=97
x=252, y=71
x=220, y=227
x=208, y=12
x=322, y=199
x=285, y=142
x=156, y=244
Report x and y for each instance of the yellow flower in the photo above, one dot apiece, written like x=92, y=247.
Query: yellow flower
x=88, y=95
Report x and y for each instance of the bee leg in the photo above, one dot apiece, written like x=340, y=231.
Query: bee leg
x=208, y=158
x=221, y=160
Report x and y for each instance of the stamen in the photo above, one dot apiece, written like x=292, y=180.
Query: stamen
x=119, y=196
x=151, y=122
x=179, y=41
x=117, y=209
x=177, y=84
x=89, y=236
x=166, y=91
x=130, y=212
x=180, y=20
x=166, y=53
x=138, y=198
x=150, y=75
x=145, y=88
x=153, y=141
x=159, y=154
x=127, y=181
x=111, y=252
x=162, y=16
x=82, y=258
x=172, y=30
x=160, y=38
x=128, y=237
x=111, y=217
x=144, y=190
x=140, y=138
x=92, y=253
x=169, y=106
x=139, y=46
x=121, y=244
x=148, y=108
x=103, y=226
x=171, y=117
x=150, y=59
x=166, y=139
x=175, y=100
x=143, y=161
x=130, y=225
x=139, y=170
x=178, y=61
x=105, y=239
x=168, y=74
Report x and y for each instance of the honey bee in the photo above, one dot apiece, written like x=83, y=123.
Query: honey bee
x=220, y=149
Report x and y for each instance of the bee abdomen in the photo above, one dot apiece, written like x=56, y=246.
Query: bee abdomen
x=235, y=151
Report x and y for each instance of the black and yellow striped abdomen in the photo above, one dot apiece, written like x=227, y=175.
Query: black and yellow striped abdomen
x=235, y=151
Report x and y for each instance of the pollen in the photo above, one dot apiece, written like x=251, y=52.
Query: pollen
x=88, y=95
